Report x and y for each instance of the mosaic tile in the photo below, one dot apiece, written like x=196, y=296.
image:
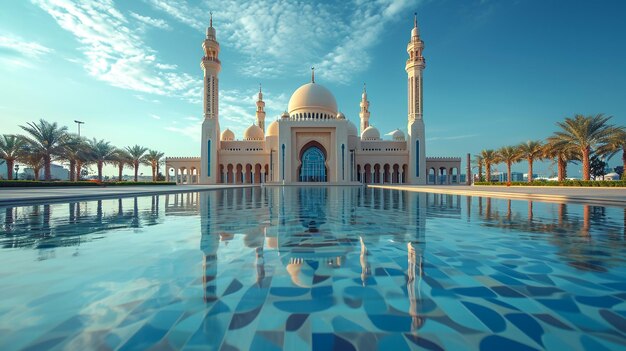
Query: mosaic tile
x=239, y=270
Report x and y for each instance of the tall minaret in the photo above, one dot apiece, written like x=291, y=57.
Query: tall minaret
x=211, y=66
x=365, y=111
x=414, y=68
x=260, y=111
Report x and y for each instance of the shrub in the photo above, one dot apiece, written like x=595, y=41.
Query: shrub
x=575, y=182
x=43, y=184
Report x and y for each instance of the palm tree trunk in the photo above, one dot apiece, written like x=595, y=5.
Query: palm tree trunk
x=586, y=168
x=488, y=171
x=79, y=166
x=508, y=173
x=10, y=169
x=47, y=160
x=480, y=172
x=530, y=169
x=72, y=170
x=136, y=169
x=153, y=172
x=36, y=171
x=100, y=171
x=561, y=168
x=120, y=168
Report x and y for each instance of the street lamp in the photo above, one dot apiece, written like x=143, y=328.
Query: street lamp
x=17, y=169
x=79, y=123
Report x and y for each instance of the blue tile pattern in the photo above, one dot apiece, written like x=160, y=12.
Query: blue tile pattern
x=312, y=268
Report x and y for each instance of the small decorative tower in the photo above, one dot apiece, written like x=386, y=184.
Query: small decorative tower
x=211, y=66
x=414, y=68
x=364, y=115
x=260, y=111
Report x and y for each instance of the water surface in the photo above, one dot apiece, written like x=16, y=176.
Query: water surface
x=323, y=268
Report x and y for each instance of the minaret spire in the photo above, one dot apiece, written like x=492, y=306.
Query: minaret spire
x=260, y=110
x=414, y=19
x=364, y=114
x=211, y=19
x=312, y=74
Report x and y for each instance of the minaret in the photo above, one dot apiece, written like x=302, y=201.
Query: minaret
x=365, y=111
x=414, y=68
x=260, y=111
x=211, y=66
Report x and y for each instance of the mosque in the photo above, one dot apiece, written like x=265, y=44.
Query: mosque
x=313, y=141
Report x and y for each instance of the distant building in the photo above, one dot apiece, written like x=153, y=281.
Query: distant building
x=3, y=170
x=56, y=172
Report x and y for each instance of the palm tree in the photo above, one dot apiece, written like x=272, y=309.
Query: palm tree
x=77, y=152
x=137, y=152
x=489, y=157
x=153, y=158
x=11, y=148
x=509, y=155
x=102, y=152
x=531, y=150
x=479, y=163
x=121, y=159
x=615, y=143
x=47, y=139
x=562, y=153
x=34, y=160
x=585, y=133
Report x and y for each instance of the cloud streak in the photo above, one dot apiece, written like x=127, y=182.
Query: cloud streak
x=20, y=52
x=287, y=36
x=115, y=52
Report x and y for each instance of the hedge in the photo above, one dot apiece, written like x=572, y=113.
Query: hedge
x=582, y=183
x=44, y=184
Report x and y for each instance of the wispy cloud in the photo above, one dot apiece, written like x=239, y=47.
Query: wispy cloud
x=16, y=51
x=288, y=36
x=115, y=52
x=155, y=117
x=154, y=22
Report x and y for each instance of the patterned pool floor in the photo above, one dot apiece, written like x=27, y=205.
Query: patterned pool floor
x=312, y=268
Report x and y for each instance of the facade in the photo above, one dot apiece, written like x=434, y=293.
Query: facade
x=312, y=141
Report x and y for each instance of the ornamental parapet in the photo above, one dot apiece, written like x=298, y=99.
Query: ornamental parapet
x=443, y=159
x=174, y=159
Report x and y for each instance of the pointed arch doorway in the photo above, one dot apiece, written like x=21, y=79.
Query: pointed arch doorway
x=313, y=163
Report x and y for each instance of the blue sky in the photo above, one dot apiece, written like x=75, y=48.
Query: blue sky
x=498, y=72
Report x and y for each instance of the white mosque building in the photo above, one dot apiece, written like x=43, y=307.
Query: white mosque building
x=312, y=141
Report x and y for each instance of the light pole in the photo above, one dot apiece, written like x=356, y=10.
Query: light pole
x=17, y=169
x=79, y=123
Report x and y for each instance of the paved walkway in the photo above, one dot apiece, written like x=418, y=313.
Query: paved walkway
x=21, y=196
x=584, y=195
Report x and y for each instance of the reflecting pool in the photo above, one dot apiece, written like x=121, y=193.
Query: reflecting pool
x=299, y=268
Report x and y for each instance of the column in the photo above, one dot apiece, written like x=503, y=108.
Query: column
x=382, y=175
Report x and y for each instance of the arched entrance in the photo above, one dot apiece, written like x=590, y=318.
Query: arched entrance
x=313, y=168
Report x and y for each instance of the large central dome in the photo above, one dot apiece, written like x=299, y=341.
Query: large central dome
x=312, y=97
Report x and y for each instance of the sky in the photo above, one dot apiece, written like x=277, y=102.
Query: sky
x=497, y=72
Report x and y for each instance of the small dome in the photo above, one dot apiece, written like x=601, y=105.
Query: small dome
x=312, y=97
x=397, y=135
x=227, y=135
x=352, y=131
x=272, y=129
x=285, y=115
x=370, y=133
x=253, y=132
x=341, y=116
